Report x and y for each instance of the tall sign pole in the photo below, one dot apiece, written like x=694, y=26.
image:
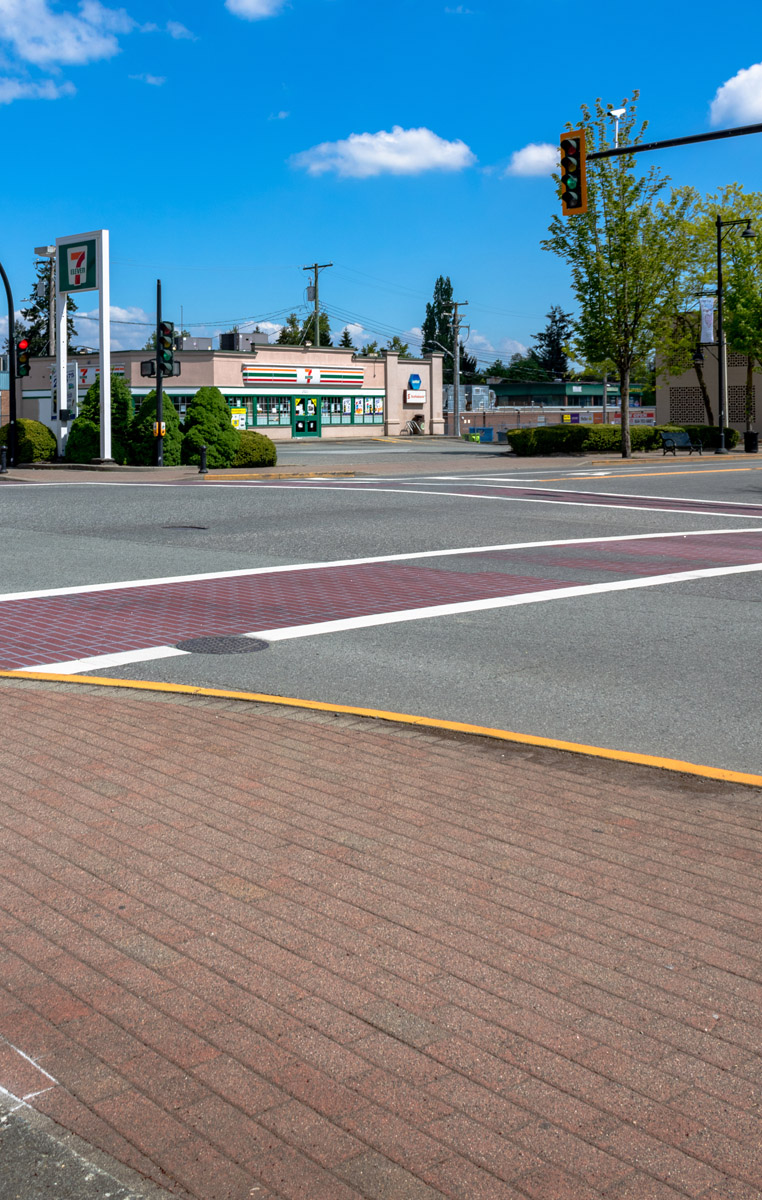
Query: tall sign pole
x=104, y=317
x=82, y=265
x=159, y=381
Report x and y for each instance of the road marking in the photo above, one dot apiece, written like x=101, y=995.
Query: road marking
x=80, y=589
x=504, y=735
x=371, y=620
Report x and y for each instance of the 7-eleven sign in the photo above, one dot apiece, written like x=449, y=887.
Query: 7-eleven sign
x=78, y=266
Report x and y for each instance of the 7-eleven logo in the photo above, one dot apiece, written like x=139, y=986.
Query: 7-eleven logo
x=77, y=258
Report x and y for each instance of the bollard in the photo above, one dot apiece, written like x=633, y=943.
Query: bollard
x=202, y=464
x=3, y=460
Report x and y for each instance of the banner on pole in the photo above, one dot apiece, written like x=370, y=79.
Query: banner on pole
x=707, y=319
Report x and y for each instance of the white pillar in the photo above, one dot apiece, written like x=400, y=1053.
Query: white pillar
x=62, y=344
x=105, y=346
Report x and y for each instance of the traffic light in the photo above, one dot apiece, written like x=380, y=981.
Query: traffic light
x=22, y=357
x=573, y=173
x=165, y=348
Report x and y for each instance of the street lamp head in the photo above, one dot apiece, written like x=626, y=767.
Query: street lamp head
x=698, y=357
x=748, y=231
x=617, y=113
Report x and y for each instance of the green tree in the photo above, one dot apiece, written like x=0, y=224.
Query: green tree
x=308, y=330
x=550, y=343
x=369, y=348
x=496, y=369
x=627, y=256
x=436, y=329
x=346, y=342
x=525, y=368
x=397, y=346
x=90, y=416
x=291, y=332
x=468, y=365
x=208, y=424
x=142, y=441
x=37, y=314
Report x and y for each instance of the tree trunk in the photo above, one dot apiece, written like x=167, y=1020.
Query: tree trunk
x=749, y=397
x=624, y=392
x=704, y=394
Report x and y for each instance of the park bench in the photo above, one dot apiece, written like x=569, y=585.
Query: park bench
x=678, y=439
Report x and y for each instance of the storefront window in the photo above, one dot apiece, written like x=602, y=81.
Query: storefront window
x=336, y=410
x=272, y=410
x=367, y=410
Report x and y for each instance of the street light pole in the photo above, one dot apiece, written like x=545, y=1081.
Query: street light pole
x=722, y=364
x=12, y=409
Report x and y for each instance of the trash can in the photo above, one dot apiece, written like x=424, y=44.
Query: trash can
x=486, y=434
x=751, y=441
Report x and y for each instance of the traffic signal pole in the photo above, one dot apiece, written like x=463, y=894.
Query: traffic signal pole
x=159, y=380
x=12, y=411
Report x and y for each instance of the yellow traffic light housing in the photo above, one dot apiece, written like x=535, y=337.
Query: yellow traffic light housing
x=573, y=173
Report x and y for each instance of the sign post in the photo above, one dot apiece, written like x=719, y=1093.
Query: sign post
x=82, y=265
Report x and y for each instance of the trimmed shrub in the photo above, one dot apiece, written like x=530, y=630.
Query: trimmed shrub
x=255, y=450
x=35, y=442
x=121, y=420
x=84, y=441
x=709, y=435
x=597, y=439
x=142, y=441
x=208, y=424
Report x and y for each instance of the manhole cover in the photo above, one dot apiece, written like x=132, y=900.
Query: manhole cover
x=222, y=645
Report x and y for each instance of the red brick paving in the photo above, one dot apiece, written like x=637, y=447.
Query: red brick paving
x=327, y=958
x=50, y=629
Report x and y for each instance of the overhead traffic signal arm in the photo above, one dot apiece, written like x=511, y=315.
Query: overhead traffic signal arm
x=573, y=173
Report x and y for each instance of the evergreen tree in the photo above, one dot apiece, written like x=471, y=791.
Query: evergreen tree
x=399, y=347
x=291, y=333
x=346, y=342
x=142, y=441
x=37, y=314
x=208, y=424
x=90, y=418
x=468, y=369
x=308, y=330
x=437, y=325
x=549, y=344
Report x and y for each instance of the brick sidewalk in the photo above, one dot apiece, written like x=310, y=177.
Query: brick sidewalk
x=258, y=952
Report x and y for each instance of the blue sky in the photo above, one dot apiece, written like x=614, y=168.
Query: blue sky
x=379, y=137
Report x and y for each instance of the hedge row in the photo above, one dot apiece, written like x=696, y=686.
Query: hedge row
x=587, y=439
x=207, y=423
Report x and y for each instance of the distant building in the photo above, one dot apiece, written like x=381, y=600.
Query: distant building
x=283, y=391
x=679, y=398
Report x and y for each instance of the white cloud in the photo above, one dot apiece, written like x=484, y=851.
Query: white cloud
x=739, y=98
x=130, y=328
x=356, y=332
x=41, y=36
x=401, y=152
x=254, y=10
x=153, y=80
x=538, y=158
x=279, y=116
x=22, y=89
x=460, y=11
x=179, y=32
x=510, y=346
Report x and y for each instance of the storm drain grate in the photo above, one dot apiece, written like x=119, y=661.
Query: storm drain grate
x=222, y=645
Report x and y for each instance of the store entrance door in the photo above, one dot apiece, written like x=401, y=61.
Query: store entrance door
x=305, y=418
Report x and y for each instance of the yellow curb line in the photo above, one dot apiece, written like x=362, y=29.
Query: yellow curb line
x=523, y=739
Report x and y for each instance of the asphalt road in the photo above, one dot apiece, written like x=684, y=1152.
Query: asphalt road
x=670, y=670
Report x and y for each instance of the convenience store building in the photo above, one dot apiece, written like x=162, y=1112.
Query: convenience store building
x=284, y=391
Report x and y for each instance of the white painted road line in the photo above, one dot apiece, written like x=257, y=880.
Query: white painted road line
x=81, y=589
x=99, y=662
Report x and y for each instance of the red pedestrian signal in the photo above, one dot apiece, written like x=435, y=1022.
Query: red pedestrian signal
x=573, y=173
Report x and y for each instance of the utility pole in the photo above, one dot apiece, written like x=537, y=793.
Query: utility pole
x=456, y=327
x=316, y=267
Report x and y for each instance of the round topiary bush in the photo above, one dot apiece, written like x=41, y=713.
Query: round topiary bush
x=84, y=441
x=255, y=450
x=208, y=424
x=35, y=442
x=142, y=449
